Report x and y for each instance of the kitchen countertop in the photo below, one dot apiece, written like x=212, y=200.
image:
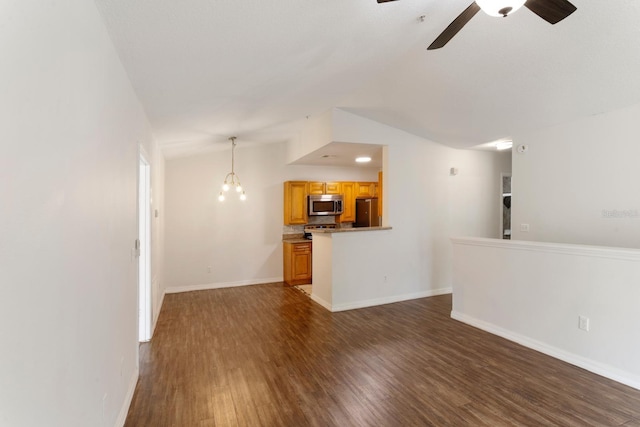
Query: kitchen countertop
x=349, y=230
x=296, y=240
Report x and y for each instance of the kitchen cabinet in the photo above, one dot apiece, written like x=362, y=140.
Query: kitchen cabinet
x=333, y=188
x=296, y=193
x=324, y=188
x=366, y=189
x=295, y=202
x=316, y=188
x=297, y=262
x=349, y=202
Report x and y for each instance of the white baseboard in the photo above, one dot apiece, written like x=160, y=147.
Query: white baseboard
x=208, y=286
x=122, y=416
x=320, y=301
x=156, y=315
x=574, y=359
x=385, y=300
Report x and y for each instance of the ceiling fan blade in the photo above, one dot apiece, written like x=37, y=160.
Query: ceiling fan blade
x=455, y=26
x=552, y=11
x=385, y=1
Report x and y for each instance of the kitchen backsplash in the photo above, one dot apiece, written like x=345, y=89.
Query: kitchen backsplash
x=292, y=229
x=328, y=219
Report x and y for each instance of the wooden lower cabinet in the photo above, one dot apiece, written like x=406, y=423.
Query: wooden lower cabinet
x=297, y=263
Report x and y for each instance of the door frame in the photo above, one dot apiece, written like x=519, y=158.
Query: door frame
x=502, y=176
x=144, y=247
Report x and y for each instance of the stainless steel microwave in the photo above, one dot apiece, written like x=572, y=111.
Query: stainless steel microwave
x=325, y=204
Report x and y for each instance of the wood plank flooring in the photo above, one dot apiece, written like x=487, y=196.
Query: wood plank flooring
x=267, y=355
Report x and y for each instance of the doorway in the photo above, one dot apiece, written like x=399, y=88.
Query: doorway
x=505, y=206
x=144, y=258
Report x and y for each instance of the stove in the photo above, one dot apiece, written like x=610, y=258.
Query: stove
x=310, y=227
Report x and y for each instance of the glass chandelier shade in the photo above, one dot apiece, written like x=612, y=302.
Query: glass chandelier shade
x=500, y=7
x=232, y=180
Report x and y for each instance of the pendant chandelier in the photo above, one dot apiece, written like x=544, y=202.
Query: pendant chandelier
x=232, y=180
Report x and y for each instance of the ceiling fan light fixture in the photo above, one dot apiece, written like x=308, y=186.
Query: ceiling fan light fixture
x=500, y=8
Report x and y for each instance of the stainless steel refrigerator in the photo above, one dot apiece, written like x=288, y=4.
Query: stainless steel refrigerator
x=367, y=213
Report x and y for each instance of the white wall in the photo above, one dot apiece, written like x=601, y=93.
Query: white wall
x=240, y=241
x=157, y=162
x=573, y=172
x=353, y=270
x=424, y=204
x=533, y=293
x=315, y=134
x=70, y=124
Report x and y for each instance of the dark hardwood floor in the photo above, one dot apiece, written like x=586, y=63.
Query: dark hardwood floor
x=268, y=356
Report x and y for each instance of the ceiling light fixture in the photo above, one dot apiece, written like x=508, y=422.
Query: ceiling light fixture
x=363, y=159
x=504, y=145
x=500, y=7
x=232, y=180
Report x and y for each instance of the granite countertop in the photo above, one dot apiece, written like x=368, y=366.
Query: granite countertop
x=296, y=240
x=349, y=230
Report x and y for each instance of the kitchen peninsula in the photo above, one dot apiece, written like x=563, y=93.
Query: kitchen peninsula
x=353, y=259
x=349, y=270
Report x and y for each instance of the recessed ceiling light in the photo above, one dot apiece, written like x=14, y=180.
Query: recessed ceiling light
x=363, y=159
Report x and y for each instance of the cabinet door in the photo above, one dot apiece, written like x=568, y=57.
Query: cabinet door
x=332, y=188
x=297, y=263
x=316, y=188
x=364, y=189
x=301, y=262
x=295, y=202
x=349, y=202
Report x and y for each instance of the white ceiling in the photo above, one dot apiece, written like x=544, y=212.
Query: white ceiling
x=344, y=154
x=208, y=69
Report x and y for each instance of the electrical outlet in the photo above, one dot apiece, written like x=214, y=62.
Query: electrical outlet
x=209, y=269
x=524, y=228
x=583, y=323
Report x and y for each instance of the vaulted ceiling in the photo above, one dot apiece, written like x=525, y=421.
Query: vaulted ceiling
x=208, y=69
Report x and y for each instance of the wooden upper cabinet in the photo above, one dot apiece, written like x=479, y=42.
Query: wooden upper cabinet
x=349, y=202
x=332, y=188
x=324, y=188
x=365, y=189
x=296, y=192
x=295, y=202
x=316, y=188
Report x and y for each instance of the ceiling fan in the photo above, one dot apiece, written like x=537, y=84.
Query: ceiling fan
x=552, y=11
